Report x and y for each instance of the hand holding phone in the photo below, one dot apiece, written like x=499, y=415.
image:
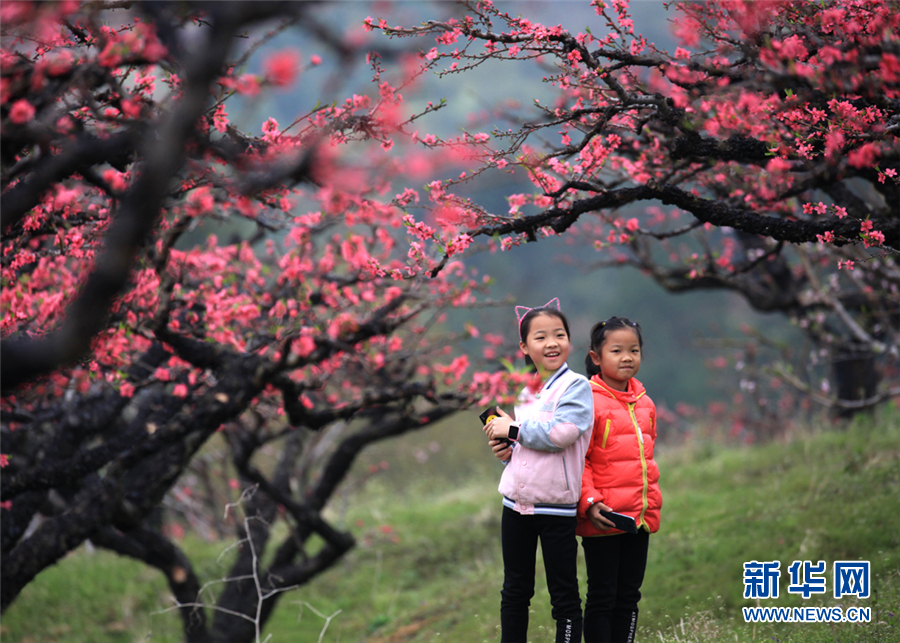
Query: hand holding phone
x=491, y=413
x=621, y=521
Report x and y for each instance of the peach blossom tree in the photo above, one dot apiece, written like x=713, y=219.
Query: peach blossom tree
x=760, y=156
x=306, y=328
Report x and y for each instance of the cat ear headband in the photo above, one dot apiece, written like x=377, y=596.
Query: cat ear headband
x=521, y=311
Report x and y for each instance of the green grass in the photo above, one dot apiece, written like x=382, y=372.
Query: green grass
x=435, y=574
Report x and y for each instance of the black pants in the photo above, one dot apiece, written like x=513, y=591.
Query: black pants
x=559, y=547
x=615, y=570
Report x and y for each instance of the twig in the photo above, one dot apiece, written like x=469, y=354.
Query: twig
x=328, y=619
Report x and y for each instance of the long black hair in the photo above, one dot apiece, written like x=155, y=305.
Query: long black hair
x=598, y=337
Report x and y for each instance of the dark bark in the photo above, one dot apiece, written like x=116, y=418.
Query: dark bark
x=57, y=536
x=717, y=213
x=85, y=153
x=286, y=570
x=152, y=548
x=857, y=376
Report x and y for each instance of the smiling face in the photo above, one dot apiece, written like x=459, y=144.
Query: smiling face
x=619, y=358
x=547, y=343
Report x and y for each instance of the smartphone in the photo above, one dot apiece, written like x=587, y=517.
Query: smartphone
x=621, y=521
x=489, y=414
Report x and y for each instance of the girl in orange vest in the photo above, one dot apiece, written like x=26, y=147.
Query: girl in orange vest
x=620, y=475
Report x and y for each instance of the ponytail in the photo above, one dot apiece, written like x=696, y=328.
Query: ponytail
x=589, y=367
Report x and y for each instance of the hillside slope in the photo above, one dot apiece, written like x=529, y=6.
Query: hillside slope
x=428, y=564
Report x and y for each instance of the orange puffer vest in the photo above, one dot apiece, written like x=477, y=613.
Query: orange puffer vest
x=619, y=469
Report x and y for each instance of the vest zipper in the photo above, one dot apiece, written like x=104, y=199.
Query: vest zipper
x=640, y=437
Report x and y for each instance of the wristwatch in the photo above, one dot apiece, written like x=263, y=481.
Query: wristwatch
x=513, y=432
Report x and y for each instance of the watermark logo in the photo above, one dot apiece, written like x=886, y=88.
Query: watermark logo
x=805, y=579
x=761, y=579
x=849, y=578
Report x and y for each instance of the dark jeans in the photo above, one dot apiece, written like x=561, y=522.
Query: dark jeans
x=559, y=547
x=615, y=570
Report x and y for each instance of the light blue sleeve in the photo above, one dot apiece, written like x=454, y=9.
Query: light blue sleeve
x=574, y=415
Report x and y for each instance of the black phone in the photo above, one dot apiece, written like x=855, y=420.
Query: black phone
x=621, y=521
x=489, y=414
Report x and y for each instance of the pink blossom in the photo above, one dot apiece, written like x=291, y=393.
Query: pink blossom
x=804, y=149
x=220, y=118
x=60, y=63
x=200, y=201
x=247, y=84
x=778, y=165
x=115, y=179
x=65, y=124
x=111, y=55
x=304, y=345
x=863, y=156
x=409, y=195
x=458, y=244
x=131, y=108
x=687, y=30
x=21, y=112
x=270, y=130
x=876, y=237
x=890, y=68
x=281, y=67
x=13, y=13
x=834, y=142
x=456, y=368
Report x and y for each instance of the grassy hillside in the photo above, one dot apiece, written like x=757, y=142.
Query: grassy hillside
x=428, y=567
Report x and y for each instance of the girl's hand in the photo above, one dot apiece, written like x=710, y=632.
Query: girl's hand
x=599, y=521
x=501, y=449
x=499, y=426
